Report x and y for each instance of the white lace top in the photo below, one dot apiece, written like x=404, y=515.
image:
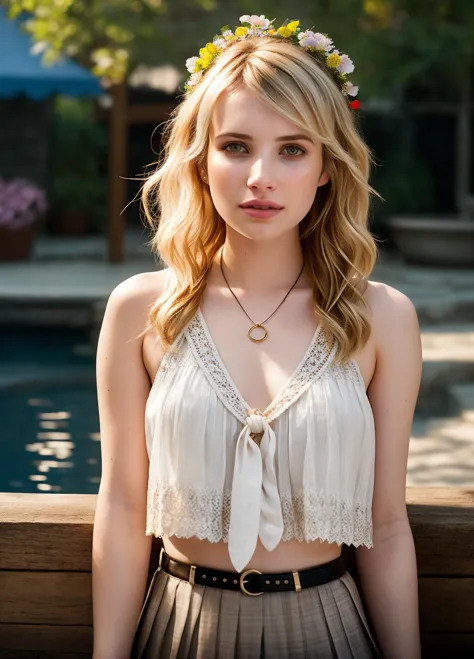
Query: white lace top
x=302, y=469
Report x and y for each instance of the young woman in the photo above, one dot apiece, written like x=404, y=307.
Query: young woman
x=256, y=395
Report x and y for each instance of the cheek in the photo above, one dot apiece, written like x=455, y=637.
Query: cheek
x=220, y=164
x=307, y=171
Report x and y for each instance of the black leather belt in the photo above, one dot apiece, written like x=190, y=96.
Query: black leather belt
x=253, y=582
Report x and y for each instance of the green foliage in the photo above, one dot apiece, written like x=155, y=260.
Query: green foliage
x=79, y=150
x=392, y=42
x=111, y=36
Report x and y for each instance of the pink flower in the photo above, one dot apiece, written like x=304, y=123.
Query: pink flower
x=346, y=65
x=21, y=203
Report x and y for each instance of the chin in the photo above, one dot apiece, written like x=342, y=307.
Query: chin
x=263, y=231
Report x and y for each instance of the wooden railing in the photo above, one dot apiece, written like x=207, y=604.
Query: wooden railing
x=46, y=590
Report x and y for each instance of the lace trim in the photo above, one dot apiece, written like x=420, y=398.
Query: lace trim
x=205, y=513
x=172, y=360
x=349, y=371
x=207, y=356
x=188, y=511
x=310, y=515
x=314, y=363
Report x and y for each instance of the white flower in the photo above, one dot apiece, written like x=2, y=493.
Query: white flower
x=256, y=21
x=256, y=32
x=219, y=43
x=227, y=33
x=190, y=63
x=350, y=89
x=346, y=65
x=317, y=40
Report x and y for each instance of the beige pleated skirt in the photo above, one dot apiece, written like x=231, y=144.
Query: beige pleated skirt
x=182, y=621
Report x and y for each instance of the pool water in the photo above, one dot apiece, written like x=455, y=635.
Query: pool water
x=49, y=432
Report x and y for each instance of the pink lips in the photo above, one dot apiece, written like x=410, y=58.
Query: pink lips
x=251, y=208
x=261, y=202
x=260, y=213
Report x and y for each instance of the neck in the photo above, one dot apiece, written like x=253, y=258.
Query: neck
x=266, y=266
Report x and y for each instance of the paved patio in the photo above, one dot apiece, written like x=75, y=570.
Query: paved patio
x=77, y=269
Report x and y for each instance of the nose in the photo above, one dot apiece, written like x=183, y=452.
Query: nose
x=261, y=176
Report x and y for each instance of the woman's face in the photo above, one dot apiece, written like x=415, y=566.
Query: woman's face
x=255, y=154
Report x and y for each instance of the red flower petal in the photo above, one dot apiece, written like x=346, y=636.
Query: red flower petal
x=355, y=105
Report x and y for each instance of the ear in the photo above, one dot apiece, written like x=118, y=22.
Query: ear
x=323, y=179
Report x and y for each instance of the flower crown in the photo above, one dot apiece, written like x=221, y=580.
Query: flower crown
x=316, y=44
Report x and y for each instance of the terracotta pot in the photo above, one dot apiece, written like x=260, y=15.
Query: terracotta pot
x=16, y=244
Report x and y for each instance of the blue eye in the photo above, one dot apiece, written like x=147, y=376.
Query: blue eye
x=238, y=144
x=232, y=144
x=294, y=146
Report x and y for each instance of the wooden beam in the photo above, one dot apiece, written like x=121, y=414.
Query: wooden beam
x=440, y=605
x=117, y=170
x=50, y=638
x=46, y=580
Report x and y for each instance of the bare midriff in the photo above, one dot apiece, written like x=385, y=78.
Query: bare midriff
x=286, y=557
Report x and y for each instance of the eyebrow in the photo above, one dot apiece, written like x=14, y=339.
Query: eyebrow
x=283, y=138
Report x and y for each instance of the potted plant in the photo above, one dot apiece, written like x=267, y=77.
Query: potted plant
x=22, y=207
x=79, y=185
x=76, y=201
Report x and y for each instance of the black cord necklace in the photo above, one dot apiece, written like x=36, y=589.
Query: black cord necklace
x=258, y=326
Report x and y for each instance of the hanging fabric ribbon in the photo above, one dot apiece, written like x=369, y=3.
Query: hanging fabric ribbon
x=255, y=501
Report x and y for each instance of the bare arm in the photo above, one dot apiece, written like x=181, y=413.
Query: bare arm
x=388, y=571
x=121, y=550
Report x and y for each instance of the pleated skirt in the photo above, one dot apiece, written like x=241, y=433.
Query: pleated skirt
x=182, y=621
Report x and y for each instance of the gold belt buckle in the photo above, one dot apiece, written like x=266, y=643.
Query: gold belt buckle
x=242, y=581
x=162, y=551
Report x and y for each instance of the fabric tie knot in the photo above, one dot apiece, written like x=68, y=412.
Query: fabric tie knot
x=255, y=502
x=257, y=426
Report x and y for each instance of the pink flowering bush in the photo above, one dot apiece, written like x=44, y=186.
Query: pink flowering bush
x=22, y=203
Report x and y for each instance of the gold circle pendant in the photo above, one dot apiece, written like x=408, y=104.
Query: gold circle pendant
x=257, y=339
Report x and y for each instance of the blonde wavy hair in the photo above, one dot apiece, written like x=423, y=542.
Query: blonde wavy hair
x=338, y=249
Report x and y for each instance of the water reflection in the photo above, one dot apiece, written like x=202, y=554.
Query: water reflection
x=51, y=425
x=55, y=415
x=62, y=448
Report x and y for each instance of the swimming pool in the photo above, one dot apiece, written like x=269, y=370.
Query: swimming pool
x=49, y=423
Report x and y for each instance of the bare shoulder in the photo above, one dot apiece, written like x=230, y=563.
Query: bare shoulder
x=138, y=290
x=393, y=315
x=130, y=301
x=125, y=328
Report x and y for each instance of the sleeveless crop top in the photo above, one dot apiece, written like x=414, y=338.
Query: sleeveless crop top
x=220, y=471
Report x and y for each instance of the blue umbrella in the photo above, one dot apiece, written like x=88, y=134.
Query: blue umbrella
x=22, y=72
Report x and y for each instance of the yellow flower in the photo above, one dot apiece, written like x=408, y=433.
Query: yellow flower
x=208, y=49
x=288, y=30
x=199, y=65
x=207, y=60
x=212, y=48
x=333, y=60
x=241, y=31
x=272, y=32
x=292, y=26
